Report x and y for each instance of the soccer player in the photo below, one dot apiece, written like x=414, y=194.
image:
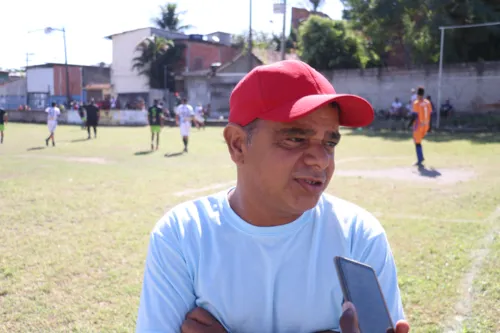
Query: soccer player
x=52, y=113
x=92, y=117
x=155, y=120
x=3, y=120
x=81, y=113
x=183, y=117
x=420, y=119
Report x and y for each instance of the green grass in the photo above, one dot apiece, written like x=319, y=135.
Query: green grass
x=75, y=220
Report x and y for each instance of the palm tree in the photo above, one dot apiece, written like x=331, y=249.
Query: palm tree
x=316, y=4
x=150, y=52
x=169, y=19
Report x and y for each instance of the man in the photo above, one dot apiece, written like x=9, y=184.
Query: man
x=413, y=95
x=199, y=120
x=155, y=120
x=183, y=117
x=93, y=115
x=420, y=119
x=396, y=107
x=259, y=257
x=52, y=113
x=3, y=121
x=81, y=113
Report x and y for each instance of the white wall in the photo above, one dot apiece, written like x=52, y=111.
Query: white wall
x=13, y=88
x=123, y=78
x=40, y=79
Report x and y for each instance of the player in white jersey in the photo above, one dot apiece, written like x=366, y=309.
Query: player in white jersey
x=183, y=117
x=52, y=113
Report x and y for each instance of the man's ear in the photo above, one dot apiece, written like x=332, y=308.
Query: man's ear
x=235, y=138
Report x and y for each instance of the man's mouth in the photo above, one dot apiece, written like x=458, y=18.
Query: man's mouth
x=313, y=182
x=312, y=185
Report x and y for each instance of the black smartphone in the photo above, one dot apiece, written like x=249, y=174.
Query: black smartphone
x=360, y=286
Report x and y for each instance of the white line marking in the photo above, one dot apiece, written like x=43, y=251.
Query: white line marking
x=204, y=189
x=463, y=308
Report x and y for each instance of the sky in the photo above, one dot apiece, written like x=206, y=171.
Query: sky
x=88, y=22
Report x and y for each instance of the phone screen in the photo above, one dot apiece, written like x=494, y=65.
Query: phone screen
x=360, y=287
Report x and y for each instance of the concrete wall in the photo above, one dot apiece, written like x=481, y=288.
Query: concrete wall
x=95, y=75
x=460, y=83
x=13, y=94
x=123, y=78
x=40, y=79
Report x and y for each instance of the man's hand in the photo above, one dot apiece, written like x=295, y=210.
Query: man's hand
x=200, y=320
x=349, y=321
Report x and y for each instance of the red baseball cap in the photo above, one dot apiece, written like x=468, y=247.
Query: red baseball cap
x=288, y=90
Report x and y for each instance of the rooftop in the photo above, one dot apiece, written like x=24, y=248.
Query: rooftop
x=52, y=64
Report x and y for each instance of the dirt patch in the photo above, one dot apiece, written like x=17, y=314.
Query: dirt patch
x=441, y=176
x=92, y=160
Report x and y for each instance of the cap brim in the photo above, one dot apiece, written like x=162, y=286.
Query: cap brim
x=354, y=110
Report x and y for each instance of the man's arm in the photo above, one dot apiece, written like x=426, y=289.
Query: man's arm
x=167, y=291
x=6, y=118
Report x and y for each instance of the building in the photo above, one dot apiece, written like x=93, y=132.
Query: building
x=13, y=93
x=4, y=76
x=201, y=51
x=47, y=83
x=299, y=15
x=214, y=87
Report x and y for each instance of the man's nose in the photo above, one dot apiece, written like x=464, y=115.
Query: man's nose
x=317, y=156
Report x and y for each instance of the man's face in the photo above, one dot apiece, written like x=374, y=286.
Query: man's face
x=289, y=165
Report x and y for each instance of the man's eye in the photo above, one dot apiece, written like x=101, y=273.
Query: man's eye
x=296, y=140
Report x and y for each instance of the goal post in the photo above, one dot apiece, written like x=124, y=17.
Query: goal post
x=441, y=54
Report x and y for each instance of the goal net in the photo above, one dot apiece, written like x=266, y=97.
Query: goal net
x=468, y=83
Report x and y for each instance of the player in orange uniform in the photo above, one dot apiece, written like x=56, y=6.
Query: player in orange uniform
x=421, y=117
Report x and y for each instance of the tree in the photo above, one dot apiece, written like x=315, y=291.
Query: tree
x=412, y=28
x=316, y=4
x=170, y=19
x=324, y=44
x=157, y=59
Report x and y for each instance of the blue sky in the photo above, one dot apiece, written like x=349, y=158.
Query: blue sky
x=87, y=22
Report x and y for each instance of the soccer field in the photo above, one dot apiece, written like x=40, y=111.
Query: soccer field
x=75, y=220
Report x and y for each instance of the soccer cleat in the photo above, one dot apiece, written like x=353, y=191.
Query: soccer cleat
x=47, y=142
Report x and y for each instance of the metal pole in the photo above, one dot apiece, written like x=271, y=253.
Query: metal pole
x=439, y=79
x=26, y=75
x=165, y=77
x=283, y=36
x=68, y=93
x=250, y=41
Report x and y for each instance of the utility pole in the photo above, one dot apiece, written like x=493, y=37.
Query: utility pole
x=26, y=75
x=283, y=36
x=250, y=41
x=68, y=92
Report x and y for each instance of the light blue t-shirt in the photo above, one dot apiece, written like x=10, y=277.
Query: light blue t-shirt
x=259, y=279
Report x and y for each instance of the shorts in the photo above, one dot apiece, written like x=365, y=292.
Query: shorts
x=2, y=127
x=155, y=128
x=185, y=128
x=199, y=119
x=52, y=124
x=92, y=122
x=419, y=134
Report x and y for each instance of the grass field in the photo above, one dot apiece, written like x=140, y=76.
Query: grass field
x=75, y=220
